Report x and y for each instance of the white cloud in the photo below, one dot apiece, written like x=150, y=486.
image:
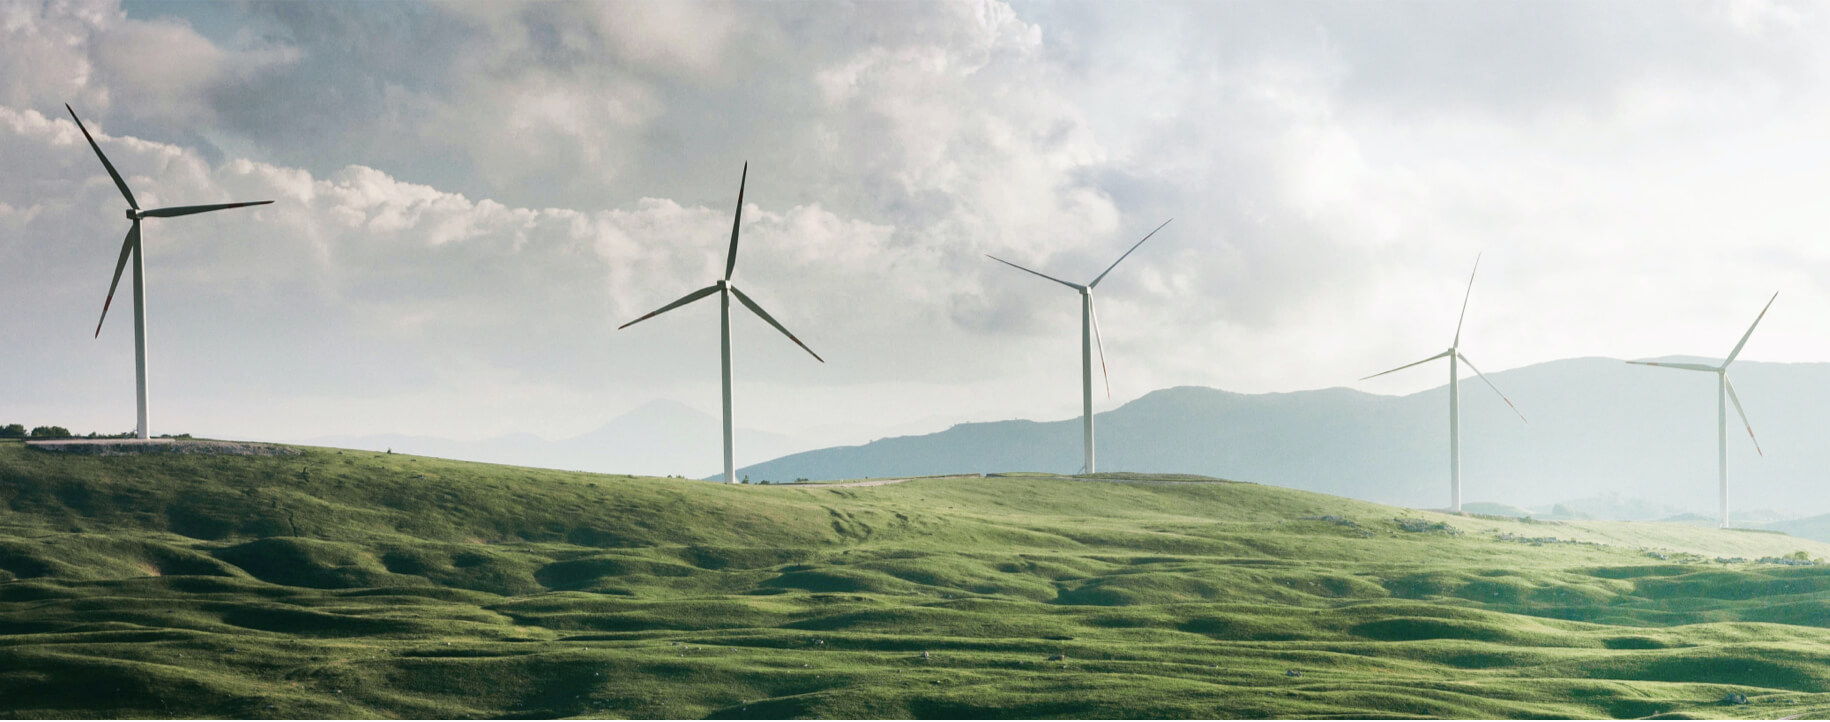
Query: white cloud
x=90, y=54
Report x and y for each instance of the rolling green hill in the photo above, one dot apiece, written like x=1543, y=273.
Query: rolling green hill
x=354, y=584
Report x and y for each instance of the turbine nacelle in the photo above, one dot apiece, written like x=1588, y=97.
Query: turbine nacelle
x=134, y=214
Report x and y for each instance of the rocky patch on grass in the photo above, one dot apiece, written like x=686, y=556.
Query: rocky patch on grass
x=1341, y=521
x=1538, y=541
x=1424, y=526
x=1789, y=561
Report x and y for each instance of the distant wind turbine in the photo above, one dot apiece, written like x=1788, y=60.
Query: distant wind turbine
x=725, y=290
x=131, y=247
x=1455, y=356
x=1725, y=392
x=1089, y=335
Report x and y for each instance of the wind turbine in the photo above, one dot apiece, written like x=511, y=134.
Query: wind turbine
x=1089, y=335
x=1455, y=358
x=131, y=247
x=1725, y=392
x=725, y=290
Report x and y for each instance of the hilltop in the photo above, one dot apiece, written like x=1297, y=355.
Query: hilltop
x=337, y=583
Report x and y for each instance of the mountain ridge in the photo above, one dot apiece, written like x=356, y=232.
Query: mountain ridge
x=1595, y=425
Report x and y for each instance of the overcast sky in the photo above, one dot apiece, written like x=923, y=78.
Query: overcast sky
x=470, y=198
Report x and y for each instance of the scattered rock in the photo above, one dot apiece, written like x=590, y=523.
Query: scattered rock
x=1424, y=525
x=925, y=655
x=1734, y=698
x=1058, y=658
x=1538, y=541
x=1293, y=673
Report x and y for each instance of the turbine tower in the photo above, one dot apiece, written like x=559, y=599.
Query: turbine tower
x=131, y=248
x=1455, y=357
x=1725, y=393
x=724, y=288
x=1089, y=336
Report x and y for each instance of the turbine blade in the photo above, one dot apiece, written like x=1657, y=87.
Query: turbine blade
x=730, y=258
x=1750, y=331
x=688, y=298
x=1496, y=389
x=1686, y=367
x=1121, y=259
x=1107, y=375
x=1744, y=421
x=771, y=319
x=1074, y=286
x=1464, y=300
x=118, y=183
x=129, y=246
x=176, y=211
x=1406, y=366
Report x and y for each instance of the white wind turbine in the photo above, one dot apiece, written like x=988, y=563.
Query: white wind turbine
x=131, y=247
x=725, y=290
x=1455, y=357
x=1725, y=392
x=1089, y=335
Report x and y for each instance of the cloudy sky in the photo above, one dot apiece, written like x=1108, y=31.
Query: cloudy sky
x=470, y=198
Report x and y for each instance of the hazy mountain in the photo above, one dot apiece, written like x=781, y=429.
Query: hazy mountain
x=1817, y=527
x=1597, y=427
x=652, y=439
x=1613, y=505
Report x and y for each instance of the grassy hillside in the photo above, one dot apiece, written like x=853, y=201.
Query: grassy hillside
x=354, y=584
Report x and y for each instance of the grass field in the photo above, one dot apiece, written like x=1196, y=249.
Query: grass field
x=354, y=584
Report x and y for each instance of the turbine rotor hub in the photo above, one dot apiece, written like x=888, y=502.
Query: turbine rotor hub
x=134, y=215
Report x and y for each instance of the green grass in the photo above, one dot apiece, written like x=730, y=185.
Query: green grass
x=354, y=584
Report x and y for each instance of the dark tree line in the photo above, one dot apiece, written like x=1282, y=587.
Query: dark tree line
x=18, y=431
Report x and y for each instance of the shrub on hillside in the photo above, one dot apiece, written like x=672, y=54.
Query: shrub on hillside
x=50, y=432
